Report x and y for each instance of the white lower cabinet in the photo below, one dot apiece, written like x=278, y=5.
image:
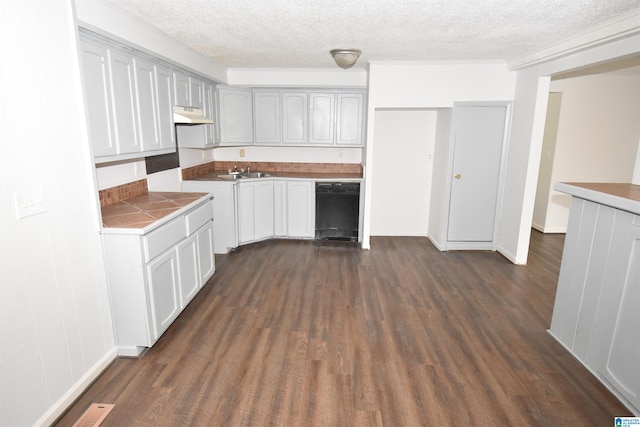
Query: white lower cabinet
x=205, y=252
x=280, y=228
x=225, y=227
x=255, y=210
x=163, y=284
x=153, y=276
x=188, y=273
x=300, y=212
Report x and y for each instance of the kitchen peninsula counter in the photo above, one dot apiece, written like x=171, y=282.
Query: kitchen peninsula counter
x=141, y=213
x=617, y=195
x=595, y=315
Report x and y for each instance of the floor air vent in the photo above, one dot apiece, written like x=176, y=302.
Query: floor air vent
x=95, y=415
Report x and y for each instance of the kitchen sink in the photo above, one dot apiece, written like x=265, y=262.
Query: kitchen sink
x=230, y=176
x=255, y=175
x=234, y=176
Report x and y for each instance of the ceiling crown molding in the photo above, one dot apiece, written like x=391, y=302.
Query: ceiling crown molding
x=612, y=30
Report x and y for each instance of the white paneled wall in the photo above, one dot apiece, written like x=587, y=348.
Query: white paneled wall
x=55, y=329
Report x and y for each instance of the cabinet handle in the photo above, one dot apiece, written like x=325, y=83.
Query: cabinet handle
x=457, y=176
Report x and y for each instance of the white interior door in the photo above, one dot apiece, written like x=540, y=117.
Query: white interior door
x=477, y=158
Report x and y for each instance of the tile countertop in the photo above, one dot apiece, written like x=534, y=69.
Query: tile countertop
x=617, y=195
x=142, y=213
x=213, y=176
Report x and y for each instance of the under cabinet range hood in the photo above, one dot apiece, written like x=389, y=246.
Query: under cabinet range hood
x=189, y=116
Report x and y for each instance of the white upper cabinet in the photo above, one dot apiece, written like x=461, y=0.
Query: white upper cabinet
x=181, y=89
x=98, y=98
x=202, y=135
x=235, y=116
x=267, y=113
x=349, y=119
x=124, y=100
x=129, y=102
x=295, y=117
x=282, y=116
x=196, y=92
x=210, y=113
x=164, y=90
x=147, y=105
x=188, y=90
x=322, y=110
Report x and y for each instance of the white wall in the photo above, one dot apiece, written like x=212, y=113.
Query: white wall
x=332, y=77
x=597, y=139
x=545, y=184
x=289, y=154
x=55, y=326
x=532, y=88
x=439, y=209
x=636, y=172
x=401, y=181
x=427, y=85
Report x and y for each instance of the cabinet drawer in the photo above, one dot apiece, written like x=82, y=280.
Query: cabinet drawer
x=163, y=238
x=199, y=216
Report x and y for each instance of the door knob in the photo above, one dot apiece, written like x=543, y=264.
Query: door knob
x=457, y=176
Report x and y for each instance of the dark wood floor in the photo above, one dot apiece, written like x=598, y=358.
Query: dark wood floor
x=300, y=333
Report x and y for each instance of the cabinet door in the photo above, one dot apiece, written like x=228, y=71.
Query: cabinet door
x=267, y=121
x=236, y=115
x=124, y=100
x=246, y=212
x=349, y=119
x=206, y=259
x=98, y=99
x=301, y=209
x=322, y=118
x=255, y=210
x=263, y=205
x=210, y=113
x=162, y=274
x=164, y=91
x=196, y=93
x=294, y=117
x=181, y=89
x=147, y=105
x=188, y=269
x=224, y=211
x=280, y=208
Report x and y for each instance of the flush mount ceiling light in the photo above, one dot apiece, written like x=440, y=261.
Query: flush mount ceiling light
x=345, y=58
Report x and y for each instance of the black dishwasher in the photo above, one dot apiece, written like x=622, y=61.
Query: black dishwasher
x=337, y=210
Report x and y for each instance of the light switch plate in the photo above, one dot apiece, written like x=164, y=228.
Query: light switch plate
x=29, y=202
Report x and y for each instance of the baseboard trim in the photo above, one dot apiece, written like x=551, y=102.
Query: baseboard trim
x=508, y=255
x=437, y=244
x=77, y=389
x=549, y=230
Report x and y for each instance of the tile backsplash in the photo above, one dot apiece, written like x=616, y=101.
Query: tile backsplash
x=274, y=167
x=113, y=195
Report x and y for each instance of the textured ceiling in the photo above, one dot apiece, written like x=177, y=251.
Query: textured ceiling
x=299, y=33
